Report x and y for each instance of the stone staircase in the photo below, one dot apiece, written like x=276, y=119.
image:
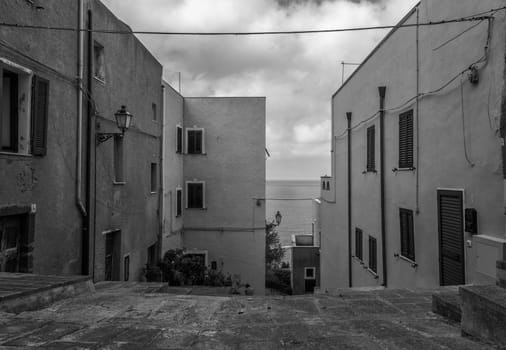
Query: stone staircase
x=481, y=310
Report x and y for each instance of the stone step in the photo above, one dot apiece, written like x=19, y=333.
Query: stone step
x=484, y=312
x=26, y=292
x=447, y=303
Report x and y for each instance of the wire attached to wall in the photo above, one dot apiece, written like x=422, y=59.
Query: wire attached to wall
x=466, y=153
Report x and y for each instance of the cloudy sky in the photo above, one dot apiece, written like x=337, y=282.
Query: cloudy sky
x=297, y=73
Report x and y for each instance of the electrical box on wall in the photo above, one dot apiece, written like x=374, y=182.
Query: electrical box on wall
x=471, y=220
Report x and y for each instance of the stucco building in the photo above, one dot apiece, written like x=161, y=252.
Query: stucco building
x=74, y=198
x=214, y=182
x=416, y=196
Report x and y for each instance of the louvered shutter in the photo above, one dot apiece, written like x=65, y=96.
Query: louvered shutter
x=371, y=152
x=451, y=238
x=406, y=140
x=358, y=243
x=40, y=106
x=373, y=263
x=407, y=234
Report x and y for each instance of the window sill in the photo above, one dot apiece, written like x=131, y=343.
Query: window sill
x=396, y=170
x=413, y=263
x=14, y=154
x=196, y=208
x=153, y=193
x=374, y=274
x=358, y=260
x=119, y=183
x=371, y=171
x=99, y=80
x=196, y=154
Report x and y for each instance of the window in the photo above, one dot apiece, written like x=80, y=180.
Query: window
x=195, y=141
x=179, y=139
x=214, y=265
x=9, y=126
x=99, y=62
x=371, y=149
x=179, y=201
x=195, y=197
x=24, y=102
x=407, y=234
x=358, y=243
x=153, y=108
x=309, y=273
x=406, y=140
x=373, y=257
x=154, y=177
x=328, y=185
x=118, y=159
x=126, y=267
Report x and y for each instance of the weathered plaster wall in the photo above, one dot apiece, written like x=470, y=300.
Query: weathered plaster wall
x=173, y=169
x=46, y=181
x=441, y=154
x=233, y=169
x=132, y=78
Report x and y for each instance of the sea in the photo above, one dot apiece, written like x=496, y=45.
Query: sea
x=294, y=200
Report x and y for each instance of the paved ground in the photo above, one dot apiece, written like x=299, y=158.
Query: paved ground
x=15, y=285
x=136, y=316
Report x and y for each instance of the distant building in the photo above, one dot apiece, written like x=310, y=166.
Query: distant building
x=214, y=182
x=304, y=264
x=416, y=196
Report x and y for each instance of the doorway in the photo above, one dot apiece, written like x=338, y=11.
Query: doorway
x=451, y=237
x=112, y=255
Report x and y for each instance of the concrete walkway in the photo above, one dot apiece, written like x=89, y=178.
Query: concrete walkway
x=136, y=316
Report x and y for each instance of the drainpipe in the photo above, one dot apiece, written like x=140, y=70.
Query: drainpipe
x=350, y=277
x=90, y=141
x=382, y=91
x=79, y=151
x=161, y=174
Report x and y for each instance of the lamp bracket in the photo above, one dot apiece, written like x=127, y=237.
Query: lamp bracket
x=104, y=136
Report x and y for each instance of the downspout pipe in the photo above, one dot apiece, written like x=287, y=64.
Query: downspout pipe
x=382, y=92
x=79, y=151
x=161, y=189
x=350, y=273
x=90, y=148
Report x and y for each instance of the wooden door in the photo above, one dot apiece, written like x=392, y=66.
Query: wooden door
x=451, y=238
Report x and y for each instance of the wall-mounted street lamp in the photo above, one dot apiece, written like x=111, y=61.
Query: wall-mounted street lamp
x=278, y=218
x=123, y=121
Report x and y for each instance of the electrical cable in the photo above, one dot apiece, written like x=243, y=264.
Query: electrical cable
x=315, y=31
x=457, y=36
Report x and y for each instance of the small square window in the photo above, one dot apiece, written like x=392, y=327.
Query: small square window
x=99, y=62
x=195, y=196
x=154, y=177
x=309, y=273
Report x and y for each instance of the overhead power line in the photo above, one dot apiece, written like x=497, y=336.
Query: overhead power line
x=316, y=31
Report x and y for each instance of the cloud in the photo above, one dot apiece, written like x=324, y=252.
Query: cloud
x=297, y=73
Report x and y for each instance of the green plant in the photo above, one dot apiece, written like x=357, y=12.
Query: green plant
x=152, y=273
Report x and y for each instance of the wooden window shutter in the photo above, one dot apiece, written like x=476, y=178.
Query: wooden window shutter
x=358, y=243
x=406, y=140
x=373, y=258
x=40, y=106
x=407, y=234
x=371, y=150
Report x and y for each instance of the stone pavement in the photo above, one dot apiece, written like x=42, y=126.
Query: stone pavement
x=137, y=316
